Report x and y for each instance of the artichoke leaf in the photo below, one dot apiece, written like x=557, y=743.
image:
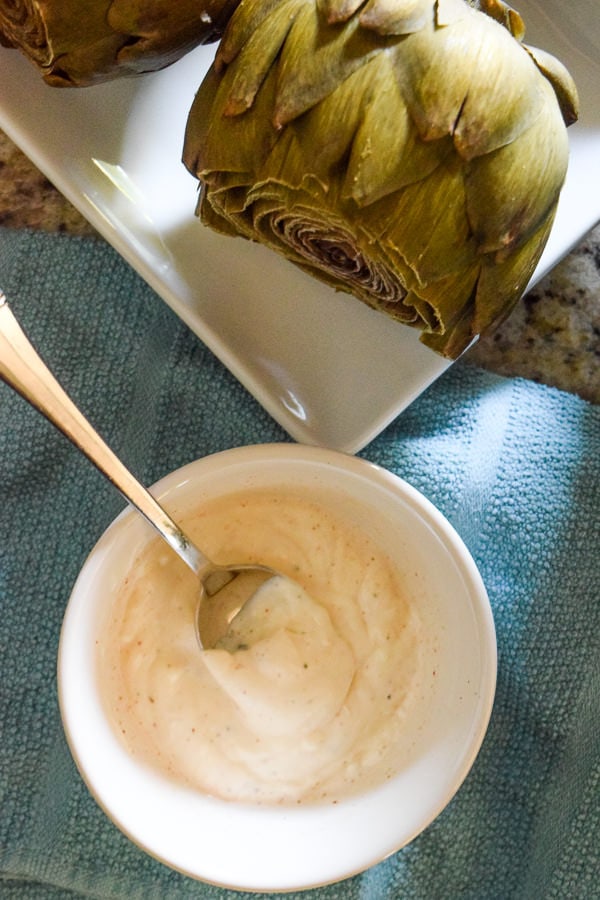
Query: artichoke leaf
x=456, y=338
x=247, y=18
x=491, y=301
x=196, y=150
x=489, y=71
x=257, y=57
x=212, y=216
x=449, y=11
x=501, y=284
x=387, y=151
x=329, y=132
x=315, y=60
x=504, y=14
x=229, y=190
x=441, y=303
x=560, y=79
x=420, y=63
x=158, y=36
x=252, y=135
x=532, y=170
x=286, y=164
x=225, y=204
x=338, y=10
x=510, y=85
x=396, y=16
x=83, y=66
x=427, y=223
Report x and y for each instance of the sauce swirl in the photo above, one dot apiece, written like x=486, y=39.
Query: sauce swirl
x=312, y=705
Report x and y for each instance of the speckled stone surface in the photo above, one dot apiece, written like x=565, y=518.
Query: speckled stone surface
x=552, y=336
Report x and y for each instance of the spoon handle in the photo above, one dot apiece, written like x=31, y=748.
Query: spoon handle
x=23, y=370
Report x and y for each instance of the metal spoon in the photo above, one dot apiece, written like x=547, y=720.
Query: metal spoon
x=23, y=370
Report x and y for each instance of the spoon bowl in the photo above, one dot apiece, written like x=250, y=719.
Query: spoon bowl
x=22, y=369
x=234, y=587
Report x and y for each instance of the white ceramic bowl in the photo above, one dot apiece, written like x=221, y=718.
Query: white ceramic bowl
x=279, y=847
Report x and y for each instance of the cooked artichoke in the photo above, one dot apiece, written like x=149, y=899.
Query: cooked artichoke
x=77, y=44
x=409, y=152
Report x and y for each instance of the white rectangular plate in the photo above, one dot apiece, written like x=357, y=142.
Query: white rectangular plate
x=327, y=368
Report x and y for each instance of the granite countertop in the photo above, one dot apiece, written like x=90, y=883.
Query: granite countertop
x=552, y=336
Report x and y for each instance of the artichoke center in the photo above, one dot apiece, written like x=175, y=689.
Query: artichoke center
x=333, y=250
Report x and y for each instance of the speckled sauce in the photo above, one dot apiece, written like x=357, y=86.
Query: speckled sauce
x=313, y=707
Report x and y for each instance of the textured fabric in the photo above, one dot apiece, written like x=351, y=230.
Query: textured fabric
x=513, y=465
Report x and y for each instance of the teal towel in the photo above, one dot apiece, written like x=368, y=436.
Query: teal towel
x=513, y=465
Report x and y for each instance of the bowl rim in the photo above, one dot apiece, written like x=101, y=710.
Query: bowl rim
x=304, y=833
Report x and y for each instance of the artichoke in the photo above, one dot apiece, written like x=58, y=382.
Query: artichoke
x=409, y=152
x=77, y=44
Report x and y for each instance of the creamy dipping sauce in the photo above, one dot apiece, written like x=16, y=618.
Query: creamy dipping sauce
x=313, y=707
